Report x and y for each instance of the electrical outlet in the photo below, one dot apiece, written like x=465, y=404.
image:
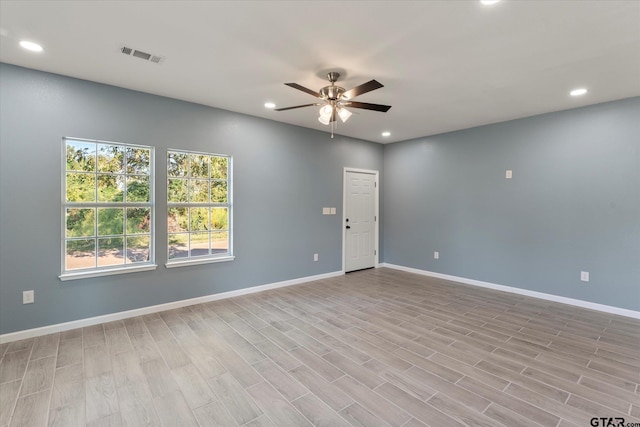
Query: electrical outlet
x=436, y=255
x=28, y=297
x=584, y=276
x=315, y=257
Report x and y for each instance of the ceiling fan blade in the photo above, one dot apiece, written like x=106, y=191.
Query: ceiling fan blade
x=363, y=88
x=295, y=106
x=304, y=89
x=367, y=106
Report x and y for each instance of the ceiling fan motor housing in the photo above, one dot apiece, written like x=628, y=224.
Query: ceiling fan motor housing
x=331, y=93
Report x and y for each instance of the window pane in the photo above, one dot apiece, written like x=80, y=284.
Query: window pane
x=178, y=246
x=177, y=190
x=206, y=213
x=110, y=158
x=138, y=160
x=199, y=244
x=178, y=220
x=138, y=189
x=138, y=249
x=199, y=219
x=199, y=165
x=138, y=220
x=110, y=188
x=81, y=187
x=219, y=192
x=80, y=222
x=81, y=156
x=110, y=251
x=108, y=194
x=80, y=254
x=219, y=166
x=219, y=242
x=110, y=221
x=219, y=219
x=198, y=190
x=177, y=164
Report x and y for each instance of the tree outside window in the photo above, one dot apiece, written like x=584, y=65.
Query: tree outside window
x=108, y=205
x=199, y=205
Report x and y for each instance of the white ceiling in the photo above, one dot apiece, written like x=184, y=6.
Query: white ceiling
x=446, y=65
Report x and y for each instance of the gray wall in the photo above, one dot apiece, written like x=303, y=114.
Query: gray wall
x=573, y=203
x=283, y=176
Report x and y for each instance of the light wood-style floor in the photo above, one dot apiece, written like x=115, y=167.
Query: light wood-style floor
x=372, y=348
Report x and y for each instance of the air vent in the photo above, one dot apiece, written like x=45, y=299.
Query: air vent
x=129, y=51
x=142, y=55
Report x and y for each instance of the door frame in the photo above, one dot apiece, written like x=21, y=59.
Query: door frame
x=376, y=213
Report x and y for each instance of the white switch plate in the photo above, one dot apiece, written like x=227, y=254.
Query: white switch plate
x=333, y=211
x=326, y=211
x=584, y=276
x=315, y=257
x=28, y=297
x=436, y=255
x=509, y=174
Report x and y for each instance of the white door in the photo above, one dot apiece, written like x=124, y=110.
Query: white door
x=360, y=221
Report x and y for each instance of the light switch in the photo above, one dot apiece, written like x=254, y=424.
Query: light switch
x=333, y=211
x=509, y=174
x=326, y=211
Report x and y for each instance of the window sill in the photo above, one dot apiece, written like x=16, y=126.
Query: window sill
x=185, y=263
x=88, y=274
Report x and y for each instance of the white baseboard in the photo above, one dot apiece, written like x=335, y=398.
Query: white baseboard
x=550, y=297
x=81, y=323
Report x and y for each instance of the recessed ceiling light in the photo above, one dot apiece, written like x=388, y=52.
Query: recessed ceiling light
x=34, y=47
x=269, y=105
x=489, y=2
x=578, y=92
x=386, y=133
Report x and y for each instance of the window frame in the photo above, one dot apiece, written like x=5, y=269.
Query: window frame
x=210, y=258
x=97, y=271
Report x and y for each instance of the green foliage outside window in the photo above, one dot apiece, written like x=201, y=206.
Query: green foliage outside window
x=198, y=198
x=101, y=181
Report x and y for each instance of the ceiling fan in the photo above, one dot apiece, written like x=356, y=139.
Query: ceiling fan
x=335, y=99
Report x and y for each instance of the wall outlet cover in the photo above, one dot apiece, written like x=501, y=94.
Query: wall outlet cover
x=509, y=174
x=436, y=255
x=584, y=276
x=28, y=297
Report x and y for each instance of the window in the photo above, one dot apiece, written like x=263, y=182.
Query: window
x=199, y=208
x=107, y=209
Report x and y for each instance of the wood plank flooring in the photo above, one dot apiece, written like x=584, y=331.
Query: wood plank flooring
x=372, y=348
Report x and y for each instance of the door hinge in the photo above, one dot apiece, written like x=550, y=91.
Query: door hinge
x=375, y=184
x=375, y=218
x=375, y=252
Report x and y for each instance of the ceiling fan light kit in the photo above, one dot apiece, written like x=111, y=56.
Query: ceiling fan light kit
x=336, y=98
x=344, y=114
